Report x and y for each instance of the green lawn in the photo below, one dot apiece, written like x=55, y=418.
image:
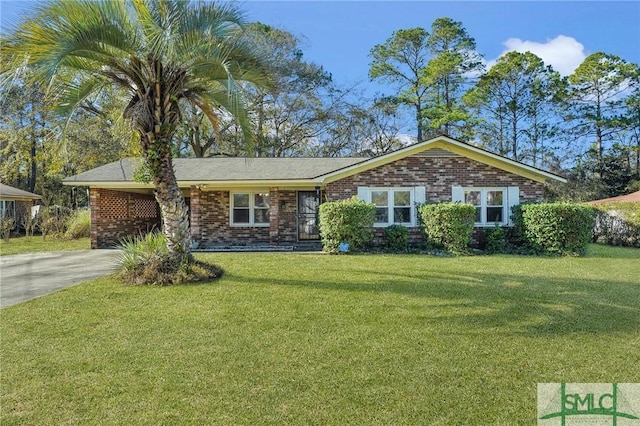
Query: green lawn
x=326, y=340
x=37, y=243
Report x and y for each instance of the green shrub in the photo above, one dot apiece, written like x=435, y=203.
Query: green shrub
x=618, y=223
x=79, y=224
x=495, y=240
x=515, y=234
x=448, y=225
x=7, y=224
x=346, y=221
x=30, y=222
x=397, y=237
x=557, y=228
x=146, y=260
x=53, y=220
x=137, y=252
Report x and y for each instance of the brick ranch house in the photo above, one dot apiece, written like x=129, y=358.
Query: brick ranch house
x=14, y=202
x=274, y=201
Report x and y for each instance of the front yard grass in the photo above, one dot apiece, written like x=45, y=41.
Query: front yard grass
x=326, y=340
x=19, y=245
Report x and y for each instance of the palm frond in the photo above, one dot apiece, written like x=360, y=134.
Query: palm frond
x=75, y=92
x=174, y=49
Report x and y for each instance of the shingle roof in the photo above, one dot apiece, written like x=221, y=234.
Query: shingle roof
x=296, y=171
x=7, y=191
x=633, y=197
x=223, y=169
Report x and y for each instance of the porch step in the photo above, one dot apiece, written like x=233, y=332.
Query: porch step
x=243, y=248
x=308, y=246
x=299, y=246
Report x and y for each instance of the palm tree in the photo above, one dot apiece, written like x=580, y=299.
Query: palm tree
x=161, y=55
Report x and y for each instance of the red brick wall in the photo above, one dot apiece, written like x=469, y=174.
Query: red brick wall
x=438, y=175
x=210, y=221
x=288, y=224
x=115, y=215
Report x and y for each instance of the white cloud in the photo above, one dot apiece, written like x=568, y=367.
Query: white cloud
x=563, y=53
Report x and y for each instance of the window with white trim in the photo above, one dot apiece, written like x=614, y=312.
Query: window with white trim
x=393, y=205
x=490, y=204
x=250, y=208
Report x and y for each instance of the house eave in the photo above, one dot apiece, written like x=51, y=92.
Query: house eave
x=16, y=198
x=205, y=185
x=108, y=184
x=236, y=184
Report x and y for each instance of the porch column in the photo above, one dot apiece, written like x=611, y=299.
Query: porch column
x=195, y=210
x=94, y=207
x=274, y=215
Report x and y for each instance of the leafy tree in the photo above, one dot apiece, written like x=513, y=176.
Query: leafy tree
x=619, y=175
x=379, y=127
x=37, y=155
x=95, y=135
x=160, y=55
x=448, y=73
x=596, y=97
x=300, y=107
x=631, y=134
x=592, y=178
x=196, y=137
x=401, y=61
x=27, y=129
x=363, y=130
x=302, y=103
x=517, y=99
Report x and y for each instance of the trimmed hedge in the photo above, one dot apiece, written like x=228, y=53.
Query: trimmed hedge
x=495, y=240
x=618, y=223
x=346, y=221
x=556, y=228
x=448, y=225
x=397, y=237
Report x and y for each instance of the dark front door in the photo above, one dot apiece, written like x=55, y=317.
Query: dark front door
x=308, y=202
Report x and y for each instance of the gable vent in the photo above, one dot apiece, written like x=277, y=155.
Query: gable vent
x=436, y=152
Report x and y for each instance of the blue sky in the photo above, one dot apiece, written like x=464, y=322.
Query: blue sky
x=340, y=34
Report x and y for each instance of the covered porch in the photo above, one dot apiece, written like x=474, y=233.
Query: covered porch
x=221, y=219
x=237, y=217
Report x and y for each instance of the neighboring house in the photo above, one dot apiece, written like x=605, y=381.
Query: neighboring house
x=275, y=200
x=14, y=202
x=618, y=224
x=634, y=197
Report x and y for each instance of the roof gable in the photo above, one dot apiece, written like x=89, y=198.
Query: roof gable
x=452, y=145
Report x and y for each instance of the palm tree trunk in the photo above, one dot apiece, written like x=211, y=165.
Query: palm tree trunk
x=173, y=209
x=175, y=216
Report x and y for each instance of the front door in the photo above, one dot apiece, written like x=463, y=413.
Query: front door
x=308, y=202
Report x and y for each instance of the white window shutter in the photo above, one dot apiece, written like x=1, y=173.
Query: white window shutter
x=419, y=195
x=457, y=194
x=513, y=199
x=363, y=193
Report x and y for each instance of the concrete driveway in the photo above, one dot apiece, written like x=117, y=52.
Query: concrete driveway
x=27, y=276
